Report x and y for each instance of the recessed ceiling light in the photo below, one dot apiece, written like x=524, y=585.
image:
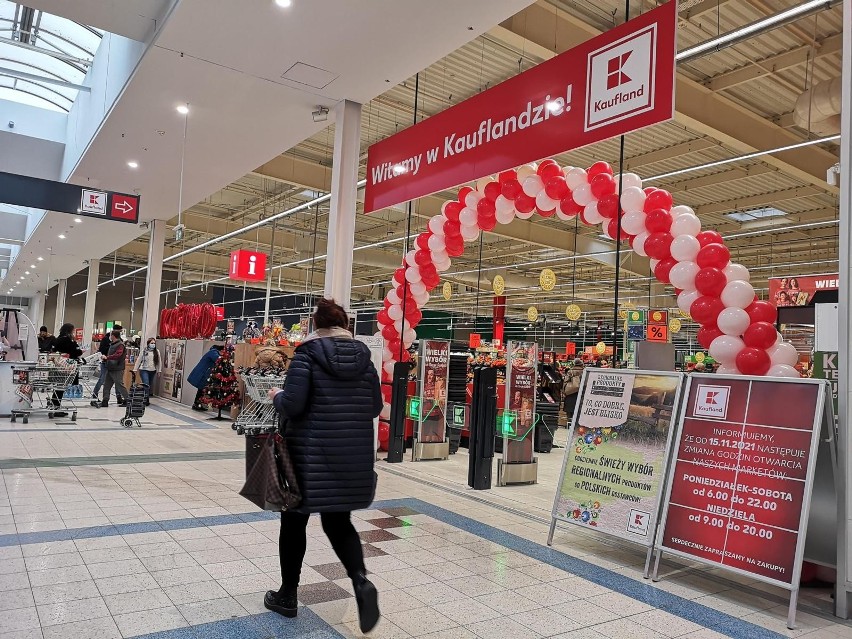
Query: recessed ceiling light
x=26, y=272
x=133, y=165
x=182, y=109
x=61, y=236
x=40, y=259
x=284, y=3
x=32, y=265
x=78, y=220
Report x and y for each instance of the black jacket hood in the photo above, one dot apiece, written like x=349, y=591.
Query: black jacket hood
x=340, y=357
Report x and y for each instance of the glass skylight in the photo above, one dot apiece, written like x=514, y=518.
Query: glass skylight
x=43, y=58
x=755, y=214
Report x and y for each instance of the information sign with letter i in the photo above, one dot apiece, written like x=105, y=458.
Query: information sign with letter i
x=617, y=454
x=739, y=493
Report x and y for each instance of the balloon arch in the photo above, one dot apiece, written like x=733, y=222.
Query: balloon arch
x=736, y=327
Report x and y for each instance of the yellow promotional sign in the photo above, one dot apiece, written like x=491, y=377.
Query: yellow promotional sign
x=675, y=325
x=573, y=312
x=447, y=290
x=499, y=285
x=600, y=348
x=532, y=313
x=700, y=357
x=547, y=279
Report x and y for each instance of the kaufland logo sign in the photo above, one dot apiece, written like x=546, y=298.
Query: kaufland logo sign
x=621, y=79
x=712, y=401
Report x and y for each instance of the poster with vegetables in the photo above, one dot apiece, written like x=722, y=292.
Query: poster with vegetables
x=614, y=467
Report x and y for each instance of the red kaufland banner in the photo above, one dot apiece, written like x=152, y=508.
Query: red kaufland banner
x=617, y=82
x=799, y=290
x=740, y=489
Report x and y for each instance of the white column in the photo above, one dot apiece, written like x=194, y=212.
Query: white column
x=154, y=280
x=59, y=319
x=36, y=308
x=91, y=299
x=844, y=408
x=341, y=220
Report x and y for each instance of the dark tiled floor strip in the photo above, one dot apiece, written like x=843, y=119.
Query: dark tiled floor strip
x=58, y=462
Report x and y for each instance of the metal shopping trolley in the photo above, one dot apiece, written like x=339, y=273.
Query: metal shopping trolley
x=90, y=371
x=38, y=385
x=258, y=414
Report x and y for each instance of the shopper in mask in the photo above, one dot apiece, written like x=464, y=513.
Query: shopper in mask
x=103, y=349
x=65, y=344
x=148, y=366
x=114, y=362
x=329, y=402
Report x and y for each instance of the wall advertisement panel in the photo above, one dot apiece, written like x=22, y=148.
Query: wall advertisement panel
x=615, y=462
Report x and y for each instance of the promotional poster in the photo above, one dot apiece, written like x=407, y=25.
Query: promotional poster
x=435, y=369
x=800, y=290
x=614, y=468
x=741, y=480
x=172, y=375
x=519, y=414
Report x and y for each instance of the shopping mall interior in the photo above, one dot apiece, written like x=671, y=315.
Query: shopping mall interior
x=594, y=251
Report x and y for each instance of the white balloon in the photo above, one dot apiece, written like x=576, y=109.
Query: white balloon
x=401, y=325
x=544, y=203
x=639, y=244
x=633, y=199
x=583, y=195
x=413, y=274
x=686, y=225
x=783, y=370
x=502, y=203
x=439, y=256
x=386, y=409
x=388, y=366
x=421, y=298
x=505, y=217
x=409, y=258
x=532, y=186
x=395, y=312
x=605, y=229
x=386, y=354
x=472, y=199
x=683, y=274
x=526, y=171
x=393, y=298
x=725, y=349
x=733, y=321
x=469, y=233
x=778, y=337
x=685, y=248
x=410, y=336
x=436, y=225
x=576, y=178
x=681, y=209
x=525, y=216
x=436, y=243
x=629, y=180
x=685, y=300
x=468, y=217
x=727, y=370
x=482, y=182
x=591, y=215
x=443, y=266
x=416, y=289
x=653, y=263
x=633, y=223
x=737, y=272
x=738, y=294
x=783, y=353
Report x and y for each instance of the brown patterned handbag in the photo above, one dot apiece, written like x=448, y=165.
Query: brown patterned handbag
x=271, y=482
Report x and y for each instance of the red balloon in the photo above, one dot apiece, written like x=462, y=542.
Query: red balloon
x=602, y=185
x=657, y=221
x=648, y=190
x=384, y=435
x=549, y=213
x=428, y=269
x=387, y=393
x=570, y=207
x=596, y=169
x=715, y=255
x=709, y=237
x=760, y=335
x=422, y=241
x=387, y=303
x=608, y=205
x=452, y=229
x=710, y=281
x=486, y=222
x=405, y=356
x=706, y=335
x=452, y=210
x=485, y=207
x=661, y=271
x=389, y=332
x=524, y=203
x=658, y=245
x=463, y=193
x=753, y=361
x=511, y=189
x=658, y=199
x=454, y=245
x=431, y=281
x=394, y=346
x=507, y=176
x=547, y=171
x=413, y=314
x=760, y=311
x=399, y=274
x=492, y=190
x=383, y=318
x=612, y=229
x=422, y=258
x=706, y=309
x=556, y=188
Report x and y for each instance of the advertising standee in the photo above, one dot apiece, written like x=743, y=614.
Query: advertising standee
x=516, y=425
x=432, y=422
x=739, y=492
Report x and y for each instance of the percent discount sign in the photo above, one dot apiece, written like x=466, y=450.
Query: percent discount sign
x=658, y=333
x=739, y=493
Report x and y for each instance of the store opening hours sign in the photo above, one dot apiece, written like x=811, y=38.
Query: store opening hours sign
x=739, y=492
x=617, y=82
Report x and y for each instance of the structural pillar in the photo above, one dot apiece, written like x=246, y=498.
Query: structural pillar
x=154, y=279
x=499, y=313
x=844, y=398
x=59, y=318
x=91, y=300
x=36, y=309
x=341, y=219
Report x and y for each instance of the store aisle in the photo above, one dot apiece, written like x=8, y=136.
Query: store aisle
x=142, y=533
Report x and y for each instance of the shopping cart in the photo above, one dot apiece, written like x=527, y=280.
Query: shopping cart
x=37, y=385
x=89, y=372
x=136, y=397
x=258, y=414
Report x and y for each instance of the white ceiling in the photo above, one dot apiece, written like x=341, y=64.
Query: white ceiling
x=226, y=59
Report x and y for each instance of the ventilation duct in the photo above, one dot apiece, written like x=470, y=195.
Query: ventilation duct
x=818, y=109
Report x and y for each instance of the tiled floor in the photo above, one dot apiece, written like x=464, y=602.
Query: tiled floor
x=107, y=532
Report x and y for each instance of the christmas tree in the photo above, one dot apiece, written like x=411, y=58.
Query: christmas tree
x=221, y=389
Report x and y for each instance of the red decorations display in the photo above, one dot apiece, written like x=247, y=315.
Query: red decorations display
x=188, y=321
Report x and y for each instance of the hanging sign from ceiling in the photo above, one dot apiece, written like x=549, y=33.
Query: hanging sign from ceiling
x=248, y=266
x=617, y=82
x=62, y=197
